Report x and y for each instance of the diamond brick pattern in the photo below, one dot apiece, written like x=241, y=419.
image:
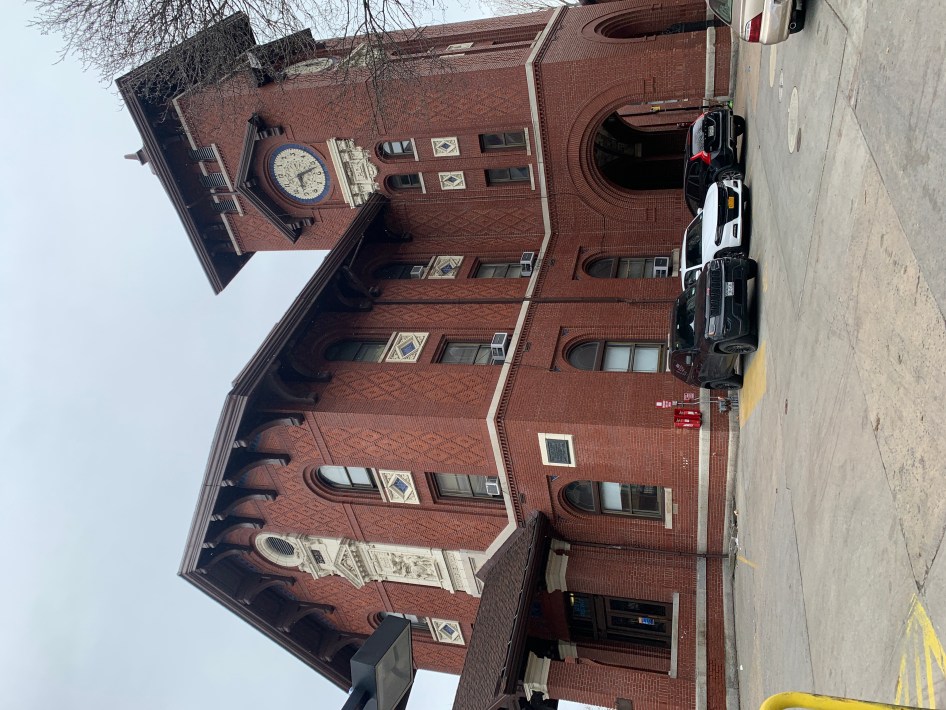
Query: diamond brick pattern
x=385, y=385
x=474, y=220
x=406, y=445
x=450, y=530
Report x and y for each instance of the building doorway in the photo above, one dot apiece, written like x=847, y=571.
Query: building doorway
x=640, y=157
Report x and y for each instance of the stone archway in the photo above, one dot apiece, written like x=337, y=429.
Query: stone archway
x=634, y=151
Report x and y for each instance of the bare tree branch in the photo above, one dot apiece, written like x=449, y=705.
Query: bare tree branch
x=170, y=45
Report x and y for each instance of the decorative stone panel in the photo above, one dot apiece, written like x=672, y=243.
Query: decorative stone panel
x=447, y=631
x=398, y=486
x=354, y=169
x=445, y=147
x=458, y=47
x=444, y=267
x=362, y=562
x=406, y=347
x=452, y=180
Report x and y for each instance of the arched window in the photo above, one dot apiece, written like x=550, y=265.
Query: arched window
x=407, y=181
x=397, y=149
x=622, y=268
x=617, y=357
x=356, y=350
x=616, y=498
x=418, y=623
x=347, y=478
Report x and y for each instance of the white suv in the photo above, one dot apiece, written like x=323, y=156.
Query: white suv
x=717, y=230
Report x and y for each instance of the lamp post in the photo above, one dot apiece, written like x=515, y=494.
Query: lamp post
x=382, y=671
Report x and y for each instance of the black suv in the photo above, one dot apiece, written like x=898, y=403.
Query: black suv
x=710, y=153
x=711, y=325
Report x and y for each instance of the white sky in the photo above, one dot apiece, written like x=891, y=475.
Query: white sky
x=116, y=358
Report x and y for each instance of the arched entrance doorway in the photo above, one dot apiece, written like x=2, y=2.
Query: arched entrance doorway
x=632, y=156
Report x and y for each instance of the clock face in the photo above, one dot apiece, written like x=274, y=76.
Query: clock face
x=299, y=173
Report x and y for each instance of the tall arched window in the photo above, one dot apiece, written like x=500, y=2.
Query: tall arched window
x=397, y=149
x=616, y=498
x=356, y=350
x=347, y=478
x=610, y=356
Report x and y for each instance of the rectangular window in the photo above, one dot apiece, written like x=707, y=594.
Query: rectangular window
x=460, y=485
x=502, y=141
x=508, y=270
x=601, y=618
x=556, y=450
x=356, y=350
x=631, y=357
x=499, y=176
x=632, y=499
x=466, y=354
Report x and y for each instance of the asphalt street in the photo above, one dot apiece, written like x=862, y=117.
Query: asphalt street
x=840, y=481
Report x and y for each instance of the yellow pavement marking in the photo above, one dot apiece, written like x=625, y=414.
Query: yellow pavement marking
x=922, y=645
x=753, y=565
x=753, y=385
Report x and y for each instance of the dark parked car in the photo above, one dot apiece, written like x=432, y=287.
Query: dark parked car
x=711, y=325
x=710, y=153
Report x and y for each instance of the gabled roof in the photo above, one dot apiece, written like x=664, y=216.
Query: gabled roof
x=228, y=426
x=220, y=269
x=495, y=655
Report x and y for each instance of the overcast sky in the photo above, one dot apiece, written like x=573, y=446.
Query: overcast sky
x=116, y=360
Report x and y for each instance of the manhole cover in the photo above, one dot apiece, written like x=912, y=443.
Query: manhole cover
x=773, y=60
x=793, y=121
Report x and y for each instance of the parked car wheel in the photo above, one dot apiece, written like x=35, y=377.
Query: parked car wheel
x=739, y=125
x=739, y=348
x=730, y=174
x=732, y=383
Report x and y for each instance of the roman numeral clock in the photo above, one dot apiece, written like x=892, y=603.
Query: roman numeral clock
x=299, y=173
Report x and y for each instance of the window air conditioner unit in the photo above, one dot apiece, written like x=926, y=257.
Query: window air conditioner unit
x=417, y=272
x=661, y=267
x=499, y=346
x=493, y=487
x=527, y=262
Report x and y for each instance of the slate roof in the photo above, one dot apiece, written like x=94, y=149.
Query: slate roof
x=495, y=654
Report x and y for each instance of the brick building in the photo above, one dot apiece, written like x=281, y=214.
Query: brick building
x=455, y=420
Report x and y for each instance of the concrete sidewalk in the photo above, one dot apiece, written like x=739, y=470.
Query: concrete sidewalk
x=842, y=462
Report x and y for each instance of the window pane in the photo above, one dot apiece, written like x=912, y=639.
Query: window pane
x=488, y=271
x=360, y=476
x=478, y=486
x=646, y=358
x=515, y=138
x=611, y=497
x=617, y=357
x=519, y=173
x=581, y=495
x=558, y=451
x=629, y=269
x=492, y=140
x=345, y=350
x=482, y=355
x=584, y=357
x=645, y=499
x=601, y=269
x=370, y=352
x=336, y=475
x=453, y=484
